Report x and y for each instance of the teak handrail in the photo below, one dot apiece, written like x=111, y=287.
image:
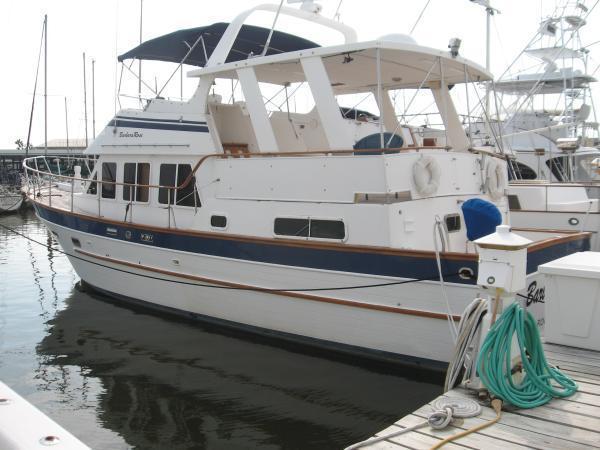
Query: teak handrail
x=187, y=181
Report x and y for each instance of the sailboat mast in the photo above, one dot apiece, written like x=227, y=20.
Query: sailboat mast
x=45, y=84
x=488, y=46
x=67, y=124
x=93, y=100
x=85, y=103
x=140, y=61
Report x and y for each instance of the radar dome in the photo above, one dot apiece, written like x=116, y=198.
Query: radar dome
x=398, y=38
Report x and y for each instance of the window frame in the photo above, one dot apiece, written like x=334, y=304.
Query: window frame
x=173, y=203
x=136, y=182
x=309, y=237
x=109, y=183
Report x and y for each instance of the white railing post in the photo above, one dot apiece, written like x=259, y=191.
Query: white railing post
x=72, y=192
x=50, y=189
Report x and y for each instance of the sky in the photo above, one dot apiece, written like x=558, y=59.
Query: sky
x=104, y=29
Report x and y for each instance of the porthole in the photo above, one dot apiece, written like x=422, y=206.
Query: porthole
x=466, y=273
x=76, y=243
x=574, y=221
x=218, y=221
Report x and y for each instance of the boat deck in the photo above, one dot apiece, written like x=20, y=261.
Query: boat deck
x=572, y=423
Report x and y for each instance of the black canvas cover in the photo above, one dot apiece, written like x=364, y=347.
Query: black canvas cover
x=174, y=46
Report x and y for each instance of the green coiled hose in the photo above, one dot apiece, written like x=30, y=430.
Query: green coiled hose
x=494, y=365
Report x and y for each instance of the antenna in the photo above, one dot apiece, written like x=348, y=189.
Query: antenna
x=490, y=11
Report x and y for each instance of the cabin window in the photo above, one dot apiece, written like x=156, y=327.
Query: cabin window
x=452, y=222
x=187, y=195
x=327, y=229
x=109, y=175
x=136, y=173
x=218, y=221
x=291, y=227
x=560, y=167
x=520, y=171
x=176, y=175
x=314, y=228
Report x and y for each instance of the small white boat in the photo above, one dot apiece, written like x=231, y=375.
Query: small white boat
x=11, y=199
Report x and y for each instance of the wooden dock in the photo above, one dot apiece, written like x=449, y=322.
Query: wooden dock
x=572, y=423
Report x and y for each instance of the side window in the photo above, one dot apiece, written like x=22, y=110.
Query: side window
x=176, y=175
x=314, y=228
x=327, y=229
x=187, y=195
x=136, y=173
x=291, y=227
x=109, y=174
x=167, y=178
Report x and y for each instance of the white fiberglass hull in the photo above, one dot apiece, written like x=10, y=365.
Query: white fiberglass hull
x=10, y=202
x=572, y=221
x=405, y=323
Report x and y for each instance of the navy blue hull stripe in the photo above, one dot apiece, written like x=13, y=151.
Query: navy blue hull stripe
x=158, y=126
x=277, y=252
x=146, y=119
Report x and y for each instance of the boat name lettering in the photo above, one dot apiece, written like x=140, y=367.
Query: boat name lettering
x=127, y=134
x=147, y=237
x=535, y=294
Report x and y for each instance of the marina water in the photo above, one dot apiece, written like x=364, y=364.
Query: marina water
x=123, y=377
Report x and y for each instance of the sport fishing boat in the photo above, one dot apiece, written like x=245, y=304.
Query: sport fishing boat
x=333, y=227
x=556, y=169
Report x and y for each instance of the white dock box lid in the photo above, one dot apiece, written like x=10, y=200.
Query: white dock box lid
x=573, y=300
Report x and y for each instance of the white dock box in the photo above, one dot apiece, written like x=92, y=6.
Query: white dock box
x=573, y=300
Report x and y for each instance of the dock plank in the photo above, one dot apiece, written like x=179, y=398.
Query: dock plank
x=583, y=377
x=575, y=351
x=414, y=439
x=512, y=435
x=539, y=425
x=475, y=440
x=569, y=423
x=558, y=416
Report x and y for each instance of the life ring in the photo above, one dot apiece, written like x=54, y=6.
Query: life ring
x=426, y=175
x=495, y=181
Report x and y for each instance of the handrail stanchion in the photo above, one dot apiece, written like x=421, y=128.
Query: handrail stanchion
x=169, y=205
x=98, y=193
x=72, y=193
x=50, y=191
x=131, y=188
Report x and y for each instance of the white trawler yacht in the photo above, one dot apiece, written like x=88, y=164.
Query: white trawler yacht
x=277, y=221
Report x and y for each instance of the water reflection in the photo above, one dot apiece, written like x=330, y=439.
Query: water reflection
x=121, y=377
x=170, y=383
